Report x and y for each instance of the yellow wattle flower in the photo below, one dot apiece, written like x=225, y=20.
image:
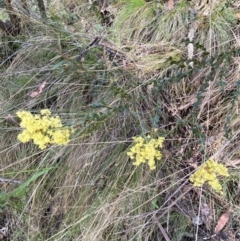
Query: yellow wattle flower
x=43, y=129
x=208, y=173
x=146, y=150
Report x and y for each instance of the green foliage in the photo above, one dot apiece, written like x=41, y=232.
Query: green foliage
x=134, y=14
x=15, y=196
x=132, y=6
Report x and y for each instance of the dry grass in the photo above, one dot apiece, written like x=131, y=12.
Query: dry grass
x=135, y=81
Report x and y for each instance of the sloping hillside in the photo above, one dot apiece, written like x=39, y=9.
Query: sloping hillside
x=119, y=120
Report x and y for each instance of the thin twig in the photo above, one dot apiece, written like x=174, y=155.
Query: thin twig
x=2, y=179
x=93, y=44
x=162, y=229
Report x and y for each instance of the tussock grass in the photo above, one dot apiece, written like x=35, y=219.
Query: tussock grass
x=136, y=81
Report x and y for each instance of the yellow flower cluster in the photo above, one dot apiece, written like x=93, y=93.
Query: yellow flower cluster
x=208, y=173
x=146, y=150
x=43, y=129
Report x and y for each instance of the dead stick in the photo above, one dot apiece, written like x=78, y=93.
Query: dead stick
x=2, y=179
x=162, y=229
